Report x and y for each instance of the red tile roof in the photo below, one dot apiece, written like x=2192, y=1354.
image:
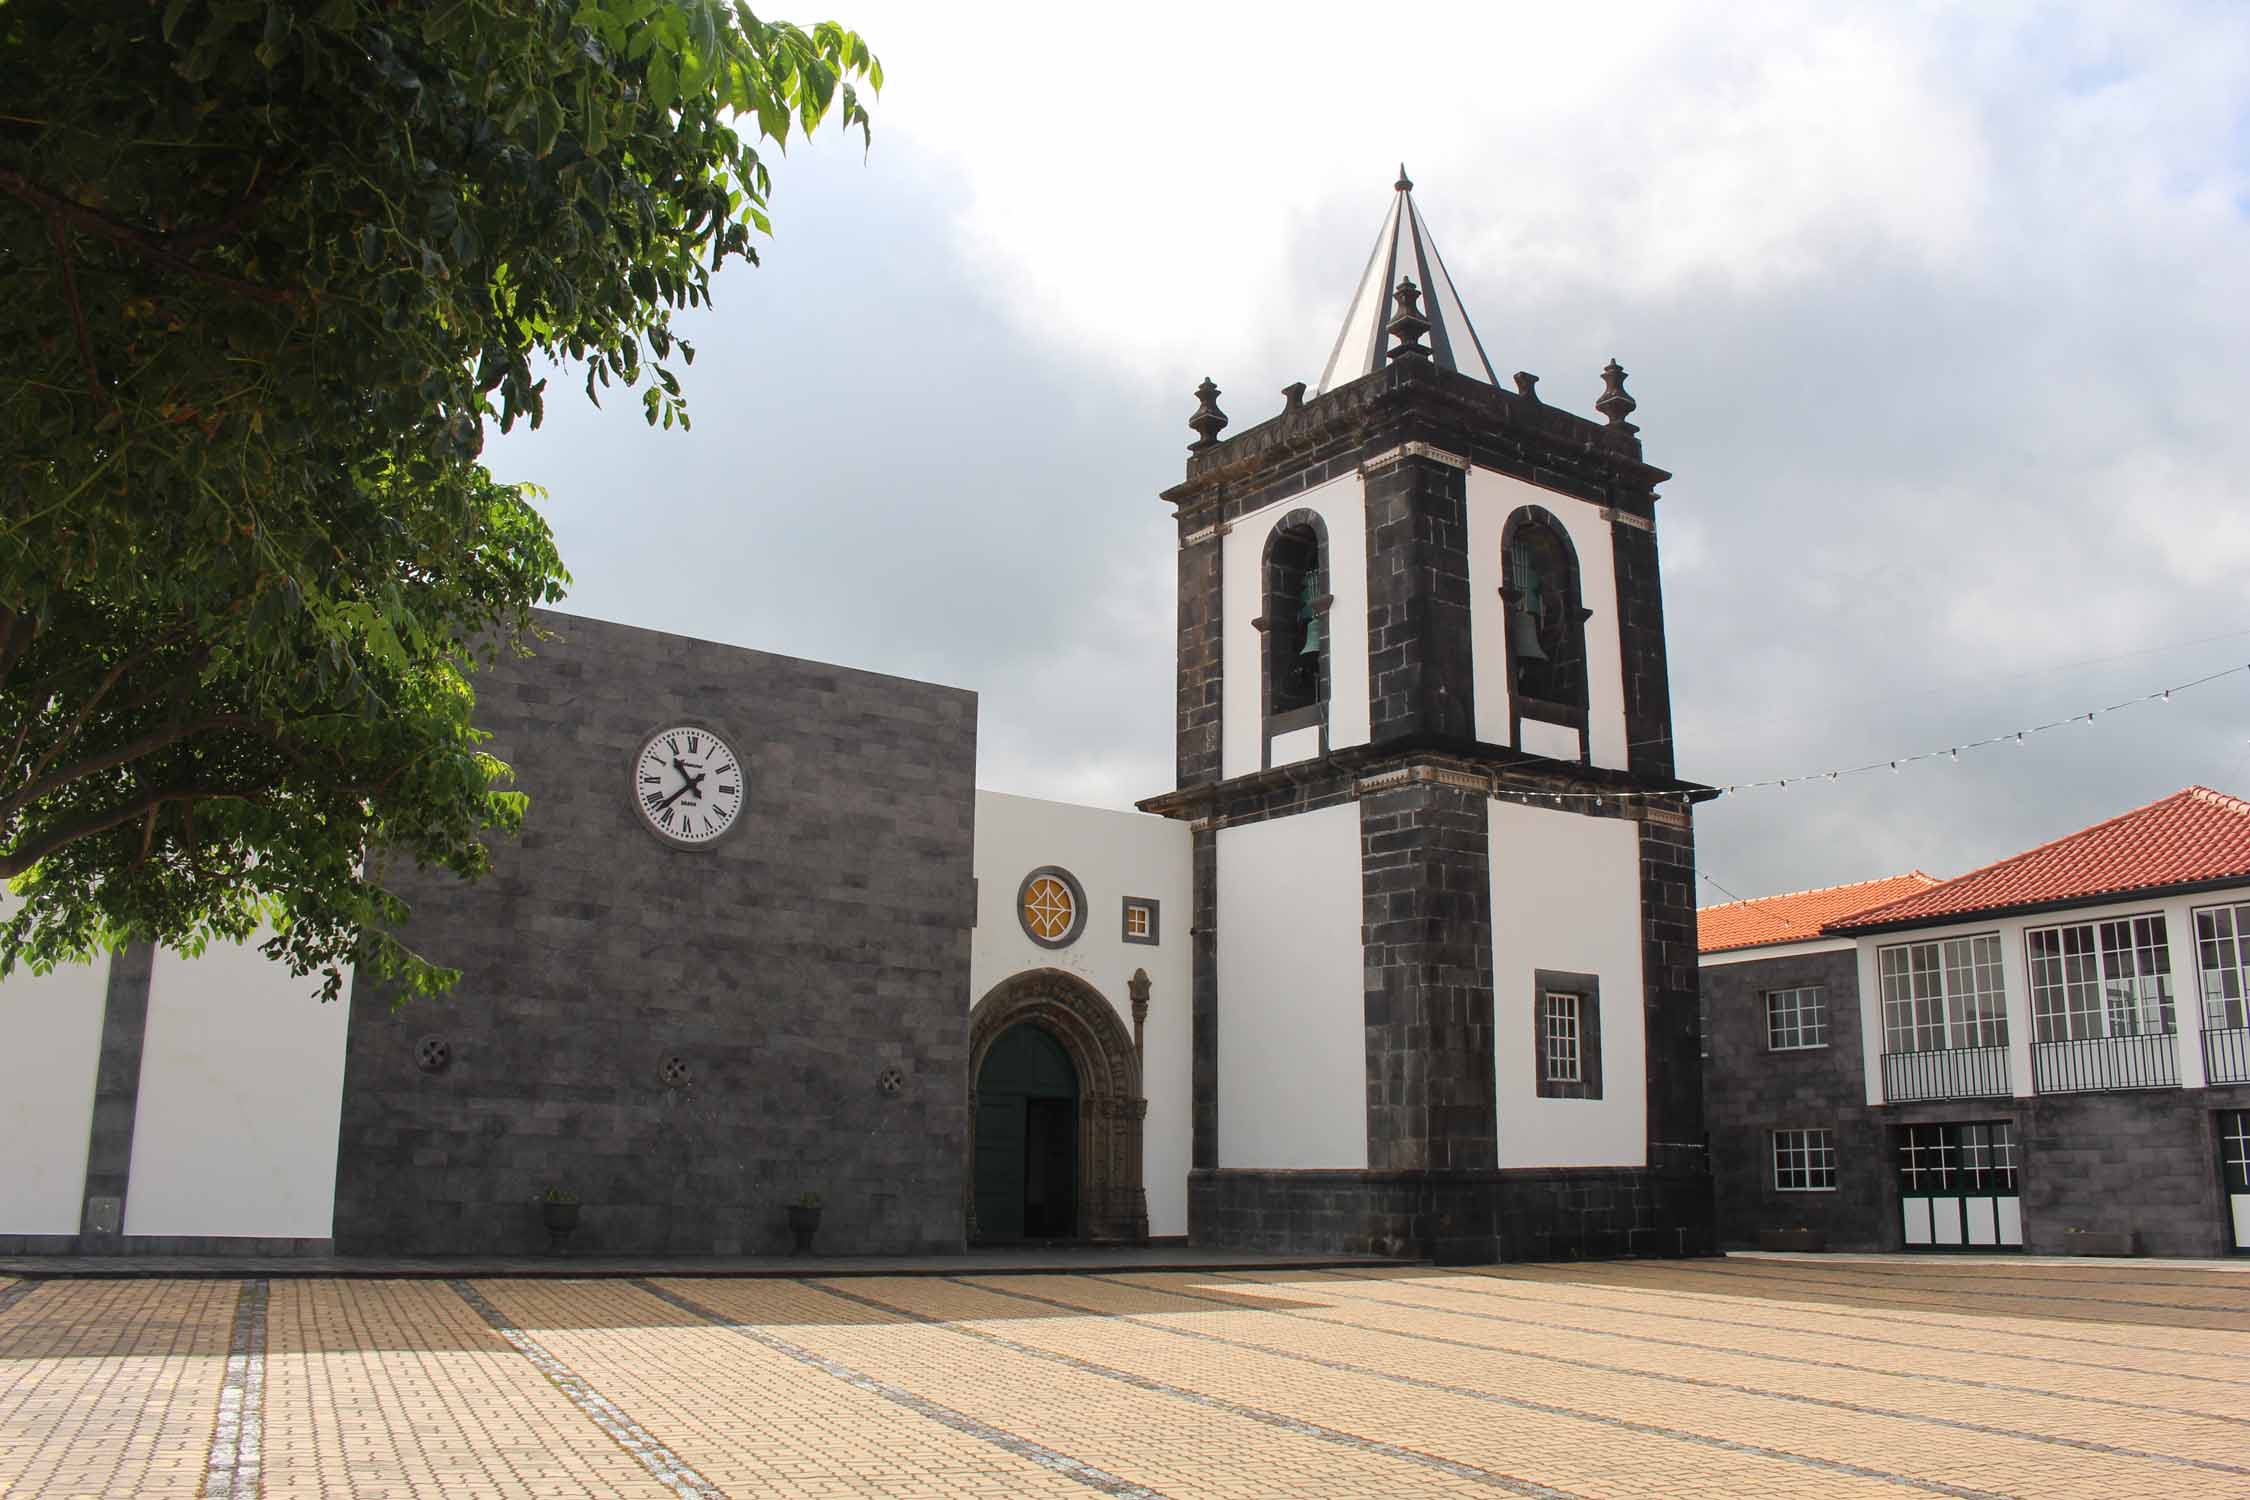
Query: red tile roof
x=2190, y=837
x=1798, y=916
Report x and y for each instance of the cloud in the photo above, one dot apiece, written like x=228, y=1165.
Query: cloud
x=1940, y=314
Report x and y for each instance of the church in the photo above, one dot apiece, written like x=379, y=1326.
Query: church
x=1403, y=964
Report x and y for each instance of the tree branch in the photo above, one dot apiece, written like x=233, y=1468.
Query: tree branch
x=85, y=712
x=262, y=184
x=132, y=750
x=12, y=644
x=148, y=246
x=26, y=855
x=61, y=237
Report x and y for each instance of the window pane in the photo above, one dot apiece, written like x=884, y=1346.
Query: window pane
x=1796, y=1018
x=1804, y=1161
x=2218, y=932
x=1561, y=1034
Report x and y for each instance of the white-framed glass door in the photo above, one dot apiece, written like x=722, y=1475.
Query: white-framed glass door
x=1958, y=1186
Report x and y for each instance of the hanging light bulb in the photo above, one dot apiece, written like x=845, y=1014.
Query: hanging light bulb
x=1955, y=752
x=1894, y=768
x=2019, y=736
x=2167, y=695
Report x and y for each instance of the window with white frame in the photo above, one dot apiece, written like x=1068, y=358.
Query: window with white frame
x=1943, y=995
x=2100, y=979
x=1796, y=1018
x=2222, y=946
x=1562, y=1038
x=1804, y=1161
x=1566, y=1034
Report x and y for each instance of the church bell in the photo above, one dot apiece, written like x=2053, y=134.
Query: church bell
x=1316, y=631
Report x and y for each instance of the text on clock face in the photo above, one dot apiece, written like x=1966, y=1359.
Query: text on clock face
x=688, y=784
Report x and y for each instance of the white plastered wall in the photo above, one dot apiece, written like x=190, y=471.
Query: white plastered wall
x=1566, y=894
x=1341, y=504
x=1113, y=855
x=1492, y=499
x=242, y=1079
x=1292, y=1013
x=53, y=1023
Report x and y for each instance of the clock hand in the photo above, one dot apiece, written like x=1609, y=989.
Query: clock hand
x=694, y=781
x=683, y=791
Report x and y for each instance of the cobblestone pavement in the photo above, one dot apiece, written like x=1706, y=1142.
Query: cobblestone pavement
x=1812, y=1376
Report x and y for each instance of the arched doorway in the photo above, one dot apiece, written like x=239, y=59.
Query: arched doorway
x=1062, y=1012
x=1027, y=1138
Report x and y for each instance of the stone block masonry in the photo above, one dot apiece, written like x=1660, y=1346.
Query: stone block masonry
x=686, y=1039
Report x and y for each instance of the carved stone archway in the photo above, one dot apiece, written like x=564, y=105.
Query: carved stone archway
x=1112, y=1203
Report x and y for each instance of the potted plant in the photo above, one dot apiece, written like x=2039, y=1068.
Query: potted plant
x=804, y=1222
x=558, y=1209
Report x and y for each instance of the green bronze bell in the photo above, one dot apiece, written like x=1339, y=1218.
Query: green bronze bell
x=1316, y=632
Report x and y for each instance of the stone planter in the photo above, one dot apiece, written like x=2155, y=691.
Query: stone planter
x=1803, y=1241
x=2097, y=1242
x=561, y=1220
x=804, y=1223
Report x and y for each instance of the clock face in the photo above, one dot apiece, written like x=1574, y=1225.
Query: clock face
x=688, y=785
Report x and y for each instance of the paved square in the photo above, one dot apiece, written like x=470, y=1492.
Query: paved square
x=1737, y=1378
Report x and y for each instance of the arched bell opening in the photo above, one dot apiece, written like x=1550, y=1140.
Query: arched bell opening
x=1046, y=1041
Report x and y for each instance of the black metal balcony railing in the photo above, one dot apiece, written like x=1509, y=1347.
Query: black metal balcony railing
x=2226, y=1054
x=2105, y=1062
x=1957, y=1073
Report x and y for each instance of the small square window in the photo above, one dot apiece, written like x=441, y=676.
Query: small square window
x=1140, y=925
x=1796, y=1018
x=1804, y=1161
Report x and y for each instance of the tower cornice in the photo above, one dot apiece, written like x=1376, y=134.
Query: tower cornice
x=1409, y=402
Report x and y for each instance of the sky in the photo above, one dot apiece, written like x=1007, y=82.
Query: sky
x=1940, y=316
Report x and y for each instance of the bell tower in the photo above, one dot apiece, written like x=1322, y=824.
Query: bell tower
x=1444, y=929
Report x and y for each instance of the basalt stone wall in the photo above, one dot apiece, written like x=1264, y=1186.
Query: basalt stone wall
x=1750, y=1091
x=687, y=1039
x=2141, y=1160
x=1457, y=1218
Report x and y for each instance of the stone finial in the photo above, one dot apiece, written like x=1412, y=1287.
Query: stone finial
x=1615, y=404
x=1527, y=385
x=1408, y=325
x=1137, y=987
x=1208, y=421
x=1405, y=184
x=1293, y=394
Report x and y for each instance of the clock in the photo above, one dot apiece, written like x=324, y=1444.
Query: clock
x=688, y=785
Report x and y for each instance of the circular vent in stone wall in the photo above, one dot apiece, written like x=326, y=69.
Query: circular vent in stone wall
x=891, y=1079
x=675, y=1072
x=432, y=1053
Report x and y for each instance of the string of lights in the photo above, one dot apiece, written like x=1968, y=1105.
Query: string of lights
x=1950, y=754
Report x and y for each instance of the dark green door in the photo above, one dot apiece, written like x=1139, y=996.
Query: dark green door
x=1027, y=1138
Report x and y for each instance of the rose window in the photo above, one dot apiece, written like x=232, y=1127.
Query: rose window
x=1048, y=908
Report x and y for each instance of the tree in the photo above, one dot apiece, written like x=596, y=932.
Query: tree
x=266, y=271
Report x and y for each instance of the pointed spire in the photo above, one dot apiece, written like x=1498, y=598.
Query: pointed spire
x=1404, y=251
